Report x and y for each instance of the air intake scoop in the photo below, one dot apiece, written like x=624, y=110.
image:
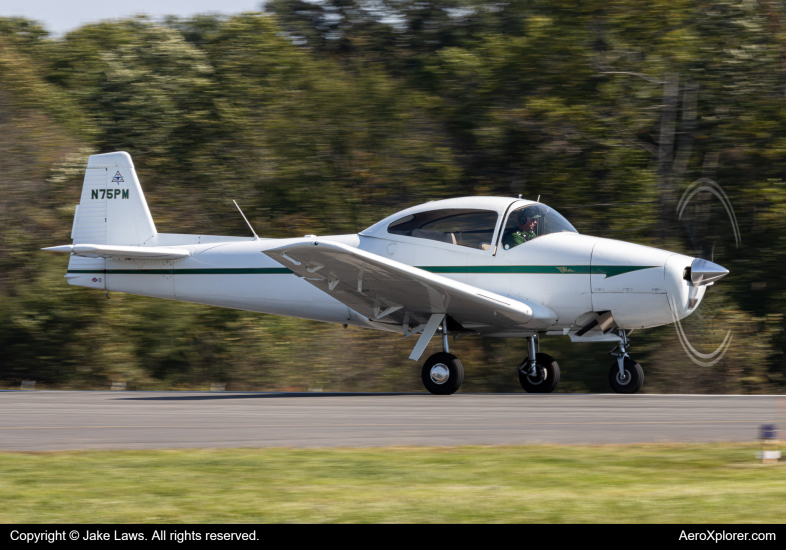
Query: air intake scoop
x=703, y=272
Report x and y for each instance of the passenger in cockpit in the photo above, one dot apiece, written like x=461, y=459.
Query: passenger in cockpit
x=528, y=222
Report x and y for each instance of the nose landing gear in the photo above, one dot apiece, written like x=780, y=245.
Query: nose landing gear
x=625, y=375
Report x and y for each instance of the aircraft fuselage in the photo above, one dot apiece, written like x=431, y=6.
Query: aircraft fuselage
x=574, y=275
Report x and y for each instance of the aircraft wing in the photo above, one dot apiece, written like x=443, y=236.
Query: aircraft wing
x=390, y=292
x=122, y=252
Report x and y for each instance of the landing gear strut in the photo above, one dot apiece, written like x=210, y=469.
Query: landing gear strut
x=625, y=375
x=443, y=373
x=539, y=373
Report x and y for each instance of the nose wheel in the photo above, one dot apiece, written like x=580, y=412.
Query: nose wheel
x=628, y=379
x=625, y=374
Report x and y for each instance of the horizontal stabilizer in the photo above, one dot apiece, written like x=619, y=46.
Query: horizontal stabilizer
x=122, y=252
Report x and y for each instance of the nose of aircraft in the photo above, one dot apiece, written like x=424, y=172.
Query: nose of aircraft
x=703, y=272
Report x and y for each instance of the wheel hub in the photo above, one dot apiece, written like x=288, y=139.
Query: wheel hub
x=439, y=373
x=623, y=379
x=540, y=378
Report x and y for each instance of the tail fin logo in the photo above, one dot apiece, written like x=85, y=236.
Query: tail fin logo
x=118, y=178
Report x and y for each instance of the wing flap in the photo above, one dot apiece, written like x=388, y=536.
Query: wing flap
x=390, y=292
x=122, y=252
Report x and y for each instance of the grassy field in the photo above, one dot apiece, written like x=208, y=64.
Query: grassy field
x=650, y=483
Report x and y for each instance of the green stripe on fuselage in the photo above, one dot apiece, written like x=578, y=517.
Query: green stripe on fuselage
x=607, y=270
x=221, y=271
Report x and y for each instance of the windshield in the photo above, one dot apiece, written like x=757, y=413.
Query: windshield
x=532, y=221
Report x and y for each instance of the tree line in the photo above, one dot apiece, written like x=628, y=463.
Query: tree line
x=324, y=117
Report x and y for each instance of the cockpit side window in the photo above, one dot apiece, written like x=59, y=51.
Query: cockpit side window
x=462, y=227
x=530, y=222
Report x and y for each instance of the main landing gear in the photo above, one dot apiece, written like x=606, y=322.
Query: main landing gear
x=539, y=373
x=625, y=375
x=443, y=373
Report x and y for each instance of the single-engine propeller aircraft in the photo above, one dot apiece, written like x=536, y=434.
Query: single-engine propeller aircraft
x=489, y=266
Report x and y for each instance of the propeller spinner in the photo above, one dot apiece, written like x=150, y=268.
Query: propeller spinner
x=703, y=272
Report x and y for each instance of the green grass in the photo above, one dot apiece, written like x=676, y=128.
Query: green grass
x=544, y=483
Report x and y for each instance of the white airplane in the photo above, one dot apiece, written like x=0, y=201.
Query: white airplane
x=489, y=266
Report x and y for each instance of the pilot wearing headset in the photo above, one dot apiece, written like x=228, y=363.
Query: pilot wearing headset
x=528, y=222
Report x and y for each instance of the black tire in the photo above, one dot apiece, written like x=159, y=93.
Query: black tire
x=634, y=376
x=549, y=378
x=442, y=363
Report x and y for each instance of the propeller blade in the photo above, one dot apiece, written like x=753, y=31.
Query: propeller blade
x=704, y=272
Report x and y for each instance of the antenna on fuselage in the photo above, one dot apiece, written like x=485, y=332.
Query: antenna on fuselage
x=538, y=199
x=256, y=237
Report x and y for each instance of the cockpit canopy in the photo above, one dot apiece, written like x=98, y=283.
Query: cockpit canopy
x=520, y=221
x=475, y=227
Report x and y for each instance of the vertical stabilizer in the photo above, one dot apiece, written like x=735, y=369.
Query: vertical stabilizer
x=112, y=211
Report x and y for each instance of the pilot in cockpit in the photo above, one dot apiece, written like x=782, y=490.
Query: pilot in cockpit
x=527, y=228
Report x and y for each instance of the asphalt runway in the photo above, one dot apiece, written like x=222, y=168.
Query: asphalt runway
x=50, y=420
